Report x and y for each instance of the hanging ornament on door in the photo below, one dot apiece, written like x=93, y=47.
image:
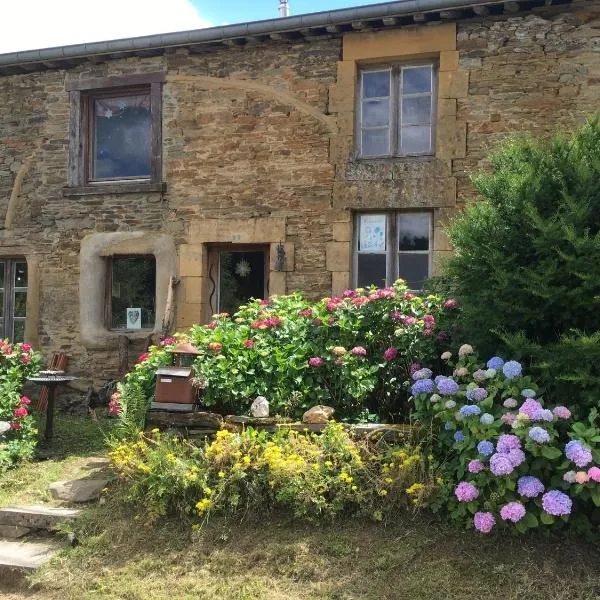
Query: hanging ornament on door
x=243, y=268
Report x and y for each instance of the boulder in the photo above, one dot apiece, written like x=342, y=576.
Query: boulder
x=318, y=414
x=260, y=407
x=77, y=490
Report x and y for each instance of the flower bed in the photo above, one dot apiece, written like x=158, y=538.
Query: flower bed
x=17, y=433
x=311, y=476
x=508, y=459
x=351, y=352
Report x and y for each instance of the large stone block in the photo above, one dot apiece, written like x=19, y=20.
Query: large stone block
x=192, y=260
x=453, y=84
x=338, y=256
x=340, y=281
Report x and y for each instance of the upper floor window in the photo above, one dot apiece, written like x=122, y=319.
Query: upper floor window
x=396, y=112
x=115, y=132
x=389, y=245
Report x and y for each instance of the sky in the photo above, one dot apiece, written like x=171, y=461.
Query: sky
x=33, y=24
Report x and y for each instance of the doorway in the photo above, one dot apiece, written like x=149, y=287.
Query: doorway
x=237, y=274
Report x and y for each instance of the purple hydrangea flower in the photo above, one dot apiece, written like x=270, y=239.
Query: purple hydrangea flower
x=578, y=453
x=509, y=418
x=477, y=394
x=475, y=466
x=516, y=457
x=486, y=419
x=556, y=503
x=470, y=410
x=546, y=415
x=512, y=369
x=539, y=435
x=466, y=492
x=479, y=375
x=422, y=374
x=500, y=465
x=562, y=412
x=438, y=378
x=484, y=521
x=532, y=408
x=495, y=363
x=422, y=386
x=510, y=403
x=485, y=448
x=508, y=442
x=447, y=386
x=459, y=436
x=529, y=486
x=513, y=511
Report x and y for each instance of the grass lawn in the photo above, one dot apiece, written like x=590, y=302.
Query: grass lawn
x=122, y=557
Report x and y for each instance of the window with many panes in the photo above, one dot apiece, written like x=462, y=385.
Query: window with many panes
x=131, y=293
x=396, y=111
x=388, y=245
x=13, y=298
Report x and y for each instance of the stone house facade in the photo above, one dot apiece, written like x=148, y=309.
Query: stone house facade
x=157, y=180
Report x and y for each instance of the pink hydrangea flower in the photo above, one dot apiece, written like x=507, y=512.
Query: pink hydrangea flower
x=26, y=358
x=562, y=412
x=315, y=361
x=466, y=492
x=25, y=348
x=594, y=474
x=582, y=477
x=24, y=400
x=476, y=466
x=15, y=425
x=390, y=354
x=410, y=320
x=484, y=521
x=451, y=304
x=20, y=412
x=509, y=418
x=248, y=344
x=358, y=351
x=513, y=511
x=532, y=408
x=306, y=313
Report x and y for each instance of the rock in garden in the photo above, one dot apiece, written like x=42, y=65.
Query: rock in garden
x=4, y=427
x=318, y=414
x=96, y=462
x=77, y=490
x=260, y=407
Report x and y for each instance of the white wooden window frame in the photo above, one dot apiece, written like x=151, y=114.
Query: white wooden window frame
x=396, y=99
x=392, y=252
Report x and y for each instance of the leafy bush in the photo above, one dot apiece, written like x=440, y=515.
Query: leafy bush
x=507, y=459
x=526, y=265
x=17, y=432
x=312, y=476
x=351, y=352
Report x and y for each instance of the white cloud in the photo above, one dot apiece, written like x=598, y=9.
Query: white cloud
x=32, y=24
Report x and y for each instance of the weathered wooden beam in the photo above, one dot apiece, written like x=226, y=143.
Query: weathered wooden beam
x=391, y=21
x=482, y=11
x=358, y=25
x=333, y=29
x=419, y=17
x=447, y=15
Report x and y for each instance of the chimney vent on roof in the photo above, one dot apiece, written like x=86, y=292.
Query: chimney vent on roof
x=284, y=9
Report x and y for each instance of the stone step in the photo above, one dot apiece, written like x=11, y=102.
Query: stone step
x=36, y=516
x=19, y=558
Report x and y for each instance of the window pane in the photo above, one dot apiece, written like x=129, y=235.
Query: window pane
x=241, y=277
x=376, y=84
x=2, y=334
x=20, y=304
x=416, y=109
x=19, y=330
x=133, y=286
x=415, y=140
x=371, y=270
x=375, y=142
x=416, y=80
x=413, y=232
x=375, y=113
x=371, y=233
x=2, y=264
x=122, y=137
x=21, y=274
x=1, y=303
x=413, y=268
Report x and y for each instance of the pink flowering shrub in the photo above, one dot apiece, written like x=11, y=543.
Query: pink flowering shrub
x=509, y=460
x=17, y=432
x=351, y=352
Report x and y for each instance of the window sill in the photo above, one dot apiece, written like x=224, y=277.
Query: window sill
x=121, y=187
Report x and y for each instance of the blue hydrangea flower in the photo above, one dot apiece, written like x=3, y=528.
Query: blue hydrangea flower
x=447, y=386
x=459, y=436
x=438, y=378
x=495, y=363
x=486, y=419
x=512, y=369
x=528, y=393
x=422, y=386
x=469, y=410
x=448, y=425
x=547, y=415
x=485, y=448
x=477, y=394
x=539, y=435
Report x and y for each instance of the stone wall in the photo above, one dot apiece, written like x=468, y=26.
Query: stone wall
x=258, y=148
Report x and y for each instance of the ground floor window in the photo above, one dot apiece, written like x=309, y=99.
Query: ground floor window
x=13, y=298
x=131, y=294
x=237, y=274
x=392, y=244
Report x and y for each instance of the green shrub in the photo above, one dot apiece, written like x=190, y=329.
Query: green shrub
x=17, y=432
x=526, y=266
x=311, y=476
x=351, y=352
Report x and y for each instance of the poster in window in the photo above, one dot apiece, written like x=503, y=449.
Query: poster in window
x=372, y=233
x=134, y=318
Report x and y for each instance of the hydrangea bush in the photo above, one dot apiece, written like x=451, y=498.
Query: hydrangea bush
x=17, y=432
x=351, y=352
x=508, y=459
